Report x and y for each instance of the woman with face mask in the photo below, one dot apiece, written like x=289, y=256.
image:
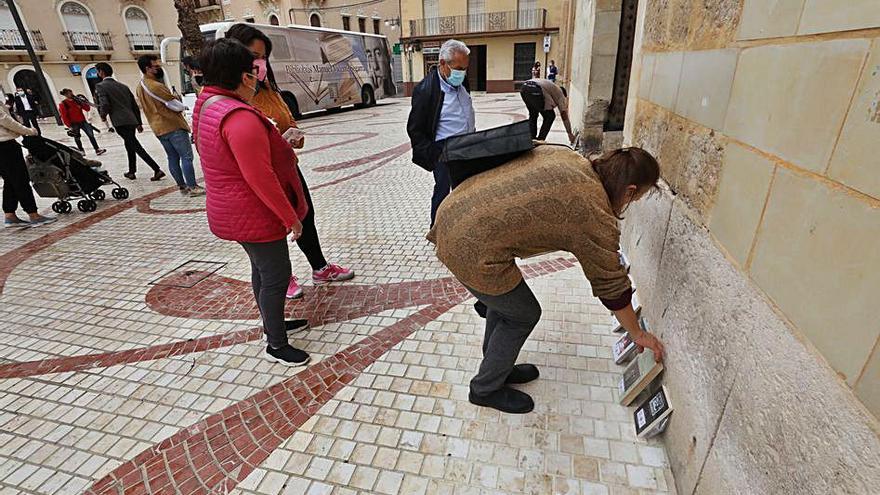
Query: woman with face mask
x=255, y=194
x=269, y=101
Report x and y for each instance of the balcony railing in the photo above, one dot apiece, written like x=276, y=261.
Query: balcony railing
x=489, y=22
x=144, y=42
x=10, y=39
x=84, y=41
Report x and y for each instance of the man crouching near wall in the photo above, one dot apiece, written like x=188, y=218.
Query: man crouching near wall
x=550, y=199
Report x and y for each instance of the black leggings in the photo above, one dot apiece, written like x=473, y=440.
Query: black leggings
x=133, y=146
x=308, y=242
x=270, y=274
x=16, y=182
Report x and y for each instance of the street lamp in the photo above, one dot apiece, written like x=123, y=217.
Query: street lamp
x=41, y=79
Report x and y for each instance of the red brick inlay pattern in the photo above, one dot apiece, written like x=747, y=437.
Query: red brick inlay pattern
x=11, y=259
x=327, y=304
x=217, y=453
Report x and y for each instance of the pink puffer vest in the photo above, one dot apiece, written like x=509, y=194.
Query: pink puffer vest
x=235, y=212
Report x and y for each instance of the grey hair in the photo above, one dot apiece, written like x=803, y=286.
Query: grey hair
x=451, y=47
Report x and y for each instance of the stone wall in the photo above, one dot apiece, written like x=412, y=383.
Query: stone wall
x=759, y=265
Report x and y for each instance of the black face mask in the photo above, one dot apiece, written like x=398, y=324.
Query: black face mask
x=160, y=73
x=199, y=79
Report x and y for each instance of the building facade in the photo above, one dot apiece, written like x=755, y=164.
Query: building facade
x=758, y=263
x=506, y=38
x=71, y=36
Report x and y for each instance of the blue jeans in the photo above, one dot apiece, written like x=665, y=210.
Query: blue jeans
x=442, y=186
x=179, y=149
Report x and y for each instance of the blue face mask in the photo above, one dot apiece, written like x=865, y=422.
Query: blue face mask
x=456, y=77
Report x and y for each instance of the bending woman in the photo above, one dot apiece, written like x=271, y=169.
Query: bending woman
x=254, y=193
x=551, y=199
x=269, y=101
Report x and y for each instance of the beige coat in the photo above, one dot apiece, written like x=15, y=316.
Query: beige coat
x=10, y=128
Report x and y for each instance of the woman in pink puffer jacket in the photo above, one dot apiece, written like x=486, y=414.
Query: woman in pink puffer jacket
x=255, y=196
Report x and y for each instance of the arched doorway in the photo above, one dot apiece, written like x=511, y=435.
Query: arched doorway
x=27, y=79
x=315, y=20
x=273, y=20
x=90, y=80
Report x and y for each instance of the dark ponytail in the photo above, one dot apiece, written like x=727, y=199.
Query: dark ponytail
x=624, y=167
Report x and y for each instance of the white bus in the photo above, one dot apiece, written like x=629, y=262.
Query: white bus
x=315, y=68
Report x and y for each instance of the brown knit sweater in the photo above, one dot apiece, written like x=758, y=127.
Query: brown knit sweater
x=547, y=200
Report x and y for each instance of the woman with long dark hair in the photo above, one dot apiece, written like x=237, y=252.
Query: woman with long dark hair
x=551, y=199
x=269, y=101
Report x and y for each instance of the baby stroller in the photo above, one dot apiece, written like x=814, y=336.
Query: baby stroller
x=57, y=171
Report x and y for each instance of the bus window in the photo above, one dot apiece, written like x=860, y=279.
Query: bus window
x=280, y=49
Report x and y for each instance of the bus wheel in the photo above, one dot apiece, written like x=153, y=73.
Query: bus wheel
x=292, y=104
x=368, y=98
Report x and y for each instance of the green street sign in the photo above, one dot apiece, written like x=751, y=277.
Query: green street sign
x=396, y=49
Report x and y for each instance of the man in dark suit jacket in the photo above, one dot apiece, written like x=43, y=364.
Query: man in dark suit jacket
x=26, y=107
x=115, y=100
x=441, y=108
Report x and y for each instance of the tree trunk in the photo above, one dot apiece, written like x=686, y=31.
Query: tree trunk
x=188, y=23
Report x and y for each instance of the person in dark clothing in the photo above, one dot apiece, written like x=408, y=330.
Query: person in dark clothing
x=441, y=108
x=116, y=101
x=27, y=109
x=13, y=170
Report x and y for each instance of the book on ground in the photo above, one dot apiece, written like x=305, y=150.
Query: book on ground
x=624, y=349
x=652, y=416
x=637, y=376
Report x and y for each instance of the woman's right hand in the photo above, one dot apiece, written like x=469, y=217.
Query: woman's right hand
x=647, y=340
x=295, y=232
x=31, y=132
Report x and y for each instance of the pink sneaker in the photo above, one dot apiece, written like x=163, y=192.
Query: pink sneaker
x=332, y=273
x=294, y=291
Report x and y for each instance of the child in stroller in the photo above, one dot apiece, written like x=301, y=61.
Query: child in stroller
x=57, y=171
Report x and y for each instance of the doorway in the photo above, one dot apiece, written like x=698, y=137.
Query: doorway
x=477, y=68
x=27, y=79
x=523, y=61
x=92, y=80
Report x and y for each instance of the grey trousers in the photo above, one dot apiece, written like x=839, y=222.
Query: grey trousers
x=270, y=274
x=510, y=319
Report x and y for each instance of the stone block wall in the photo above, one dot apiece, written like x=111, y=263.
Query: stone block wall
x=760, y=266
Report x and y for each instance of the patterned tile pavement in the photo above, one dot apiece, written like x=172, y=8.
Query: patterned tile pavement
x=120, y=374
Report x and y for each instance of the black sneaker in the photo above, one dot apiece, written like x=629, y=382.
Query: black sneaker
x=287, y=355
x=506, y=400
x=523, y=373
x=293, y=326
x=129, y=176
x=158, y=176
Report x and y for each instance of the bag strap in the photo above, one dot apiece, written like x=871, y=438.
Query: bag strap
x=210, y=101
x=153, y=95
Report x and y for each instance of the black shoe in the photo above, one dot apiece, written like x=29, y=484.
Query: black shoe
x=293, y=326
x=129, y=176
x=158, y=176
x=506, y=400
x=523, y=373
x=287, y=355
x=480, y=308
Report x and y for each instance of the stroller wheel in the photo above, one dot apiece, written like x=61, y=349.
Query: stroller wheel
x=119, y=193
x=66, y=207
x=99, y=195
x=86, y=205
x=58, y=207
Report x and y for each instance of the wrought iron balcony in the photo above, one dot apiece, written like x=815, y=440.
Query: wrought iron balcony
x=144, y=42
x=10, y=39
x=489, y=22
x=85, y=41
